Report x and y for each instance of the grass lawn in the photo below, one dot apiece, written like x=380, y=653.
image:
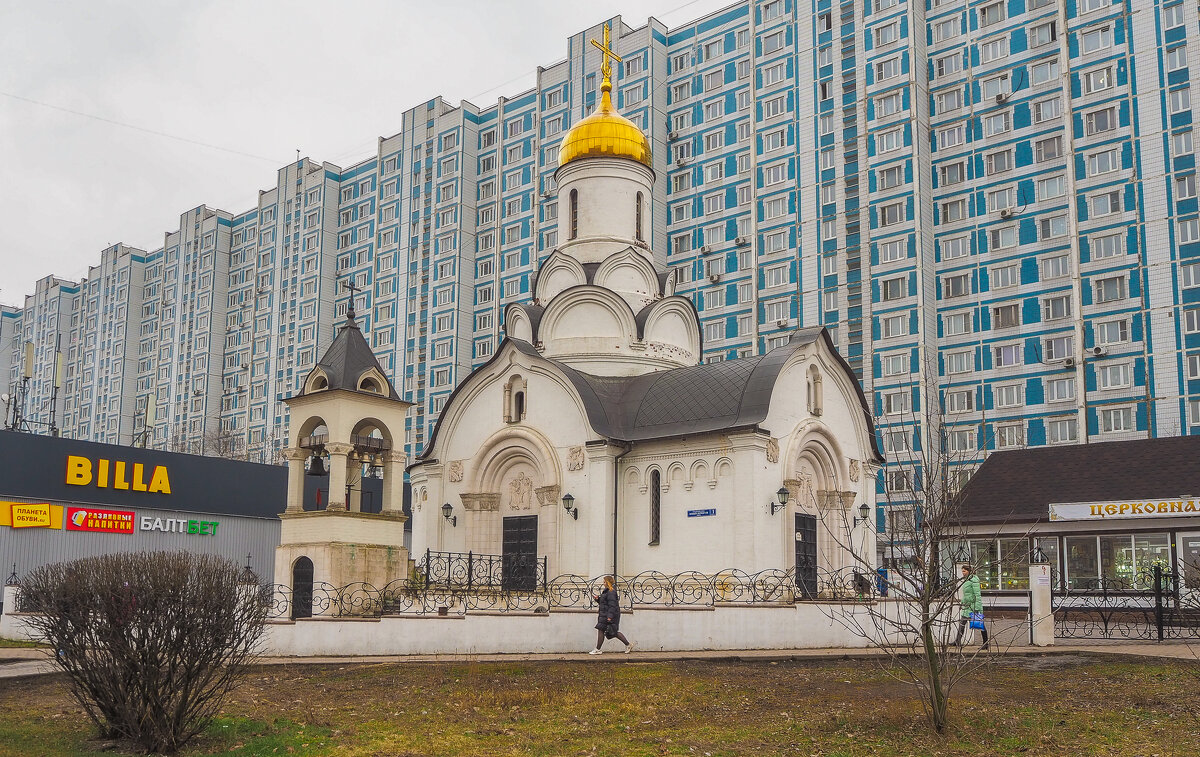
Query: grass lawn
x=14, y=644
x=1070, y=705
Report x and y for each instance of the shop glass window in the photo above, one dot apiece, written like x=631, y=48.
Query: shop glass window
x=985, y=562
x=1014, y=565
x=1083, y=562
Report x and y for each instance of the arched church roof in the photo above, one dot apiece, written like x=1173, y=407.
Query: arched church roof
x=348, y=358
x=699, y=399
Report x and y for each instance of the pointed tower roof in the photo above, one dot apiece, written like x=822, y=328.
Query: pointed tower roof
x=347, y=362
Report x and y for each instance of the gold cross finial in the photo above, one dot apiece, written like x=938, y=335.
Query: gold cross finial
x=608, y=56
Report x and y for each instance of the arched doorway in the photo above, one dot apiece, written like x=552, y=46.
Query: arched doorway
x=302, y=588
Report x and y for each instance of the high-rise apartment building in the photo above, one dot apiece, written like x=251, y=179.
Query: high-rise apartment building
x=992, y=206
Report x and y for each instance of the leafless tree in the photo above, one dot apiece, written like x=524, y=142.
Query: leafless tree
x=151, y=642
x=918, y=625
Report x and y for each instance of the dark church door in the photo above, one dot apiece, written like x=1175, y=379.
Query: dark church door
x=302, y=588
x=520, y=553
x=806, y=555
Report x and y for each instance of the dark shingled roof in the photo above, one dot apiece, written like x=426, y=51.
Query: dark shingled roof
x=682, y=401
x=1019, y=485
x=349, y=357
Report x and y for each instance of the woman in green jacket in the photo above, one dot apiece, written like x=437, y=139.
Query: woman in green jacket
x=972, y=601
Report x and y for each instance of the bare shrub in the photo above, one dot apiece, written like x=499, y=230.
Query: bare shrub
x=151, y=642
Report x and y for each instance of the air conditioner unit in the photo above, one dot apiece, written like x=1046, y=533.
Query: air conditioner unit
x=681, y=163
x=741, y=241
x=714, y=277
x=1007, y=213
x=547, y=193
x=704, y=249
x=672, y=136
x=781, y=322
x=1099, y=351
x=245, y=366
x=1069, y=362
x=1002, y=97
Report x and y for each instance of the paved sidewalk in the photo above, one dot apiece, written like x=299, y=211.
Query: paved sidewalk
x=20, y=663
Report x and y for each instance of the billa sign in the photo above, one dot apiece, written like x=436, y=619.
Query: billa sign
x=99, y=520
x=116, y=474
x=1154, y=508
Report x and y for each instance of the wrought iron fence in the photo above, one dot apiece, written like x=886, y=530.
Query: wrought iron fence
x=1148, y=606
x=462, y=583
x=465, y=571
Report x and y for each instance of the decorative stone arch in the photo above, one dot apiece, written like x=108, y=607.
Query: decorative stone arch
x=699, y=471
x=369, y=424
x=815, y=457
x=510, y=444
x=517, y=324
x=558, y=273
x=722, y=468
x=604, y=312
x=672, y=320
x=372, y=381
x=628, y=271
x=651, y=469
x=633, y=477
x=309, y=427
x=317, y=381
x=676, y=475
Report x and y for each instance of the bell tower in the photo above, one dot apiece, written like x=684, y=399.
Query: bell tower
x=346, y=420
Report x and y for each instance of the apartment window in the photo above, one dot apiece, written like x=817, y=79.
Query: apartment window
x=891, y=214
x=995, y=86
x=1112, y=332
x=1103, y=162
x=992, y=14
x=1110, y=289
x=1097, y=80
x=955, y=324
x=948, y=65
x=1108, y=246
x=1044, y=71
x=1096, y=39
x=1056, y=308
x=896, y=441
x=887, y=105
x=956, y=285
x=1100, y=121
x=887, y=69
x=1051, y=187
x=1189, y=230
x=774, y=208
x=1185, y=186
x=774, y=74
x=1043, y=34
x=895, y=364
x=1052, y=227
x=1010, y=435
x=1190, y=275
x=949, y=100
x=1058, y=348
x=773, y=140
x=1002, y=199
x=1009, y=395
x=1048, y=149
x=483, y=295
x=961, y=361
x=993, y=49
x=1113, y=420
x=997, y=123
x=825, y=22
x=951, y=136
x=714, y=331
x=1105, y=204
x=887, y=34
x=889, y=140
x=1046, y=110
x=483, y=322
x=893, y=288
x=1173, y=16
x=1005, y=276
x=771, y=175
x=946, y=29
x=998, y=162
x=1006, y=355
x=952, y=210
x=895, y=403
x=775, y=275
x=961, y=440
x=1056, y=266
x=1061, y=430
x=890, y=251
x=956, y=247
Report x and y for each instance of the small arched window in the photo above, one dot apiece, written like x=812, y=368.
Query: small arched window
x=655, y=506
x=638, y=229
x=515, y=403
x=519, y=405
x=369, y=385
x=574, y=213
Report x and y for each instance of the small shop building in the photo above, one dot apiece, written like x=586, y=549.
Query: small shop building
x=62, y=499
x=1104, y=515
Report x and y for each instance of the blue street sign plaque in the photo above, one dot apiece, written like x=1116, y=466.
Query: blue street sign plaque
x=702, y=513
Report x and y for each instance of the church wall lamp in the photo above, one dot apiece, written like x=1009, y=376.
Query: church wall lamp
x=569, y=505
x=864, y=514
x=448, y=514
x=783, y=495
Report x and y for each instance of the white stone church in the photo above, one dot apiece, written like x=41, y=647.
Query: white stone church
x=596, y=438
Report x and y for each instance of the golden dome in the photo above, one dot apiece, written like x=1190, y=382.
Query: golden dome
x=605, y=133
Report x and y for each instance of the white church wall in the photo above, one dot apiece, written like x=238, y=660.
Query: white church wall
x=606, y=202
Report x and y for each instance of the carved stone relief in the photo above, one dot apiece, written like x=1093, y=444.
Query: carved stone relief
x=454, y=471
x=547, y=496
x=854, y=470
x=520, y=492
x=772, y=450
x=480, y=502
x=575, y=458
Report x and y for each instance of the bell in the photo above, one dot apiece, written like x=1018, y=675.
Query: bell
x=316, y=466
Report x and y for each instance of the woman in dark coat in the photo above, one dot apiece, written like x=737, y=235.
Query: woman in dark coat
x=608, y=620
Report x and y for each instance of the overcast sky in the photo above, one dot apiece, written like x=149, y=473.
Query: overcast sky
x=251, y=81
